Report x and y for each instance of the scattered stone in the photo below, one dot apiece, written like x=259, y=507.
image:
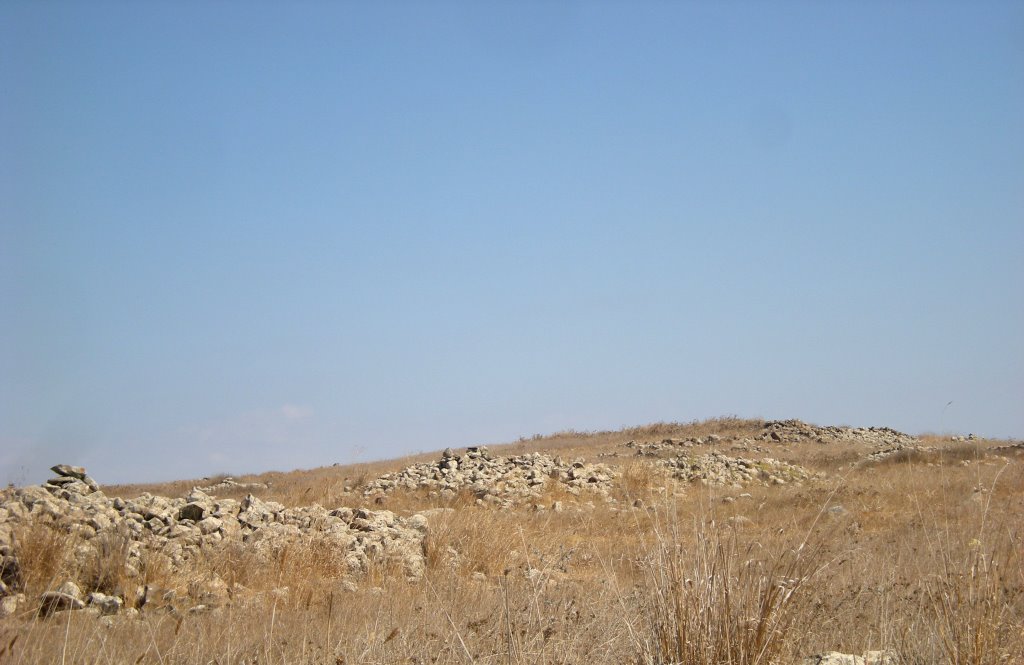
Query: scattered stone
x=9, y=604
x=107, y=605
x=896, y=449
x=10, y=574
x=797, y=431
x=499, y=481
x=178, y=530
x=56, y=601
x=230, y=484
x=719, y=469
x=70, y=589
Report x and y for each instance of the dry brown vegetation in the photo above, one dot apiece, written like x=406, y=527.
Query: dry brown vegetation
x=919, y=554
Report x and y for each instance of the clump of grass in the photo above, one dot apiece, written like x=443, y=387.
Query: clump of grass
x=973, y=604
x=106, y=569
x=717, y=601
x=475, y=540
x=722, y=426
x=948, y=454
x=638, y=480
x=45, y=555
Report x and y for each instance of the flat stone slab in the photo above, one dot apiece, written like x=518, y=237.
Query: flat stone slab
x=55, y=601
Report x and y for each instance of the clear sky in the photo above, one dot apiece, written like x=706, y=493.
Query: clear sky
x=238, y=237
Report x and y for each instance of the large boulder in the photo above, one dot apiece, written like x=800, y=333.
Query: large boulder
x=67, y=597
x=68, y=471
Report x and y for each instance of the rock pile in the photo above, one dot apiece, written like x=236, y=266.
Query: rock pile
x=177, y=530
x=73, y=478
x=656, y=448
x=781, y=432
x=796, y=431
x=499, y=480
x=230, y=484
x=888, y=451
x=674, y=446
x=718, y=469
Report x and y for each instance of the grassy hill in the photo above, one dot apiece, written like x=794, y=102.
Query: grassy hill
x=720, y=541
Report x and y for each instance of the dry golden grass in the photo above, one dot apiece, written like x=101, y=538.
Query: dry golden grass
x=919, y=554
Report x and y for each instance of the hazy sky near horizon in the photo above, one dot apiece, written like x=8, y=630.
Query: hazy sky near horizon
x=238, y=237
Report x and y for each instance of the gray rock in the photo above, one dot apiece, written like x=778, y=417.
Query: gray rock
x=192, y=511
x=70, y=589
x=9, y=604
x=10, y=573
x=209, y=525
x=107, y=605
x=254, y=512
x=55, y=601
x=69, y=471
x=418, y=522
x=231, y=484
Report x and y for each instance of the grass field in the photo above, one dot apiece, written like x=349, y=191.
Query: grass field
x=919, y=555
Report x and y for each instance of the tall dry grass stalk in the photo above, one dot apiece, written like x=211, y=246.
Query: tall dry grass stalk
x=713, y=598
x=973, y=618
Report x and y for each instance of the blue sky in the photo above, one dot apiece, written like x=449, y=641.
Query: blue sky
x=237, y=237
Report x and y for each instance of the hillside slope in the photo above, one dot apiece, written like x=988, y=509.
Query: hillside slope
x=724, y=540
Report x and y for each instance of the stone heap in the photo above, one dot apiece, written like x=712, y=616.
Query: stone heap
x=669, y=447
x=499, y=480
x=718, y=469
x=73, y=479
x=888, y=451
x=797, y=431
x=229, y=484
x=657, y=448
x=783, y=432
x=178, y=529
